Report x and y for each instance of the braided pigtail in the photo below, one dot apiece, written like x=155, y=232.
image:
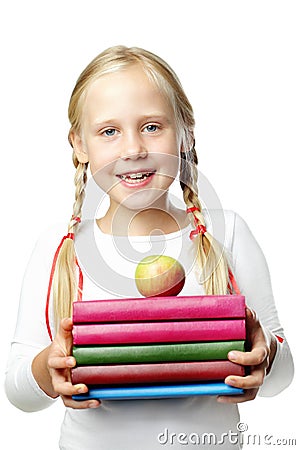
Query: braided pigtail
x=213, y=270
x=65, y=284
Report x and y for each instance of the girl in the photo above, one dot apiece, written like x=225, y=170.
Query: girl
x=133, y=125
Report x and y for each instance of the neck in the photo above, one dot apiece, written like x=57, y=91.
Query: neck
x=163, y=217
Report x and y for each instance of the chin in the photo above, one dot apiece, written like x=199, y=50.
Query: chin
x=143, y=199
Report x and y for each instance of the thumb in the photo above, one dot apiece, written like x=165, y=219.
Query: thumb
x=65, y=328
x=255, y=335
x=252, y=323
x=250, y=315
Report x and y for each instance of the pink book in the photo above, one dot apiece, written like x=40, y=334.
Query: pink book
x=185, y=331
x=160, y=308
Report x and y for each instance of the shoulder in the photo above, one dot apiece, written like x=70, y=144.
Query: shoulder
x=48, y=241
x=52, y=235
x=228, y=227
x=232, y=230
x=222, y=223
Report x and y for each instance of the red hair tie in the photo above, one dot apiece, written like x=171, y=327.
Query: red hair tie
x=76, y=218
x=200, y=229
x=192, y=209
x=233, y=284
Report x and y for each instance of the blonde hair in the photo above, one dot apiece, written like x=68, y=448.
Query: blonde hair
x=211, y=259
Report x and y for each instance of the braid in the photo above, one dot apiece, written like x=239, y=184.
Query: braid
x=65, y=283
x=80, y=180
x=212, y=263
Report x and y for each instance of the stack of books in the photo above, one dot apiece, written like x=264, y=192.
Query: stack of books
x=157, y=347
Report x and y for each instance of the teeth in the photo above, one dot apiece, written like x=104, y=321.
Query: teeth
x=135, y=176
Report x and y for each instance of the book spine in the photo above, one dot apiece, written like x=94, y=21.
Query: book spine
x=195, y=351
x=159, y=308
x=155, y=373
x=159, y=332
x=150, y=392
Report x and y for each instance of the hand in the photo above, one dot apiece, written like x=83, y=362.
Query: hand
x=263, y=349
x=59, y=366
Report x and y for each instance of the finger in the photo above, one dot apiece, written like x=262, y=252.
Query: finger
x=66, y=325
x=255, y=334
x=249, y=394
x=64, y=336
x=255, y=357
x=250, y=314
x=64, y=332
x=84, y=404
x=61, y=362
x=252, y=381
x=63, y=387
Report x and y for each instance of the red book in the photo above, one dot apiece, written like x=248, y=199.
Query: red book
x=156, y=373
x=160, y=308
x=186, y=331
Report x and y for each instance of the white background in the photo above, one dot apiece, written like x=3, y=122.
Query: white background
x=239, y=64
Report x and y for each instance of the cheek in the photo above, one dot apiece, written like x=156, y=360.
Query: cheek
x=100, y=161
x=169, y=164
x=102, y=170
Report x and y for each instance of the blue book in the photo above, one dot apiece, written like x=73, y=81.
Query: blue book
x=151, y=392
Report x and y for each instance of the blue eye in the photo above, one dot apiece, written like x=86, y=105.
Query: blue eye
x=151, y=128
x=110, y=132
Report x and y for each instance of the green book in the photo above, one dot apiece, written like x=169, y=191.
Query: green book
x=194, y=351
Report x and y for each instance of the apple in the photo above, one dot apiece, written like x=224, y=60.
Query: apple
x=159, y=275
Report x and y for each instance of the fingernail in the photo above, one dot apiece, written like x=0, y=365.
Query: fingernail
x=230, y=381
x=81, y=390
x=71, y=362
x=93, y=405
x=232, y=356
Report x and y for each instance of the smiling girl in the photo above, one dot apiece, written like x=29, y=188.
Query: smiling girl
x=133, y=125
x=128, y=135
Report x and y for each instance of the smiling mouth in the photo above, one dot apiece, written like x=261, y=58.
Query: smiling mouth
x=135, y=178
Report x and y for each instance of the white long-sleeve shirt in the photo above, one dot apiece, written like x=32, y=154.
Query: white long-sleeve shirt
x=108, y=264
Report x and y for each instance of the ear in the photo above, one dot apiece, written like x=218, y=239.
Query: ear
x=78, y=147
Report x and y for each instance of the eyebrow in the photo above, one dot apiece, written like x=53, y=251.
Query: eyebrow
x=152, y=117
x=159, y=117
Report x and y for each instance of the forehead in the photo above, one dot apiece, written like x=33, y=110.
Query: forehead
x=125, y=90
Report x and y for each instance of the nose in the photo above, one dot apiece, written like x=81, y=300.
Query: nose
x=133, y=146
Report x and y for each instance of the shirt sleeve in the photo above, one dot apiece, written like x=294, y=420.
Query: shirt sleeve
x=31, y=335
x=253, y=278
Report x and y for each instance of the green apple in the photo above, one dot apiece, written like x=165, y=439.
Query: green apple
x=159, y=275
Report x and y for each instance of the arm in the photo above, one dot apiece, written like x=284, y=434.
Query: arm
x=260, y=357
x=37, y=370
x=51, y=369
x=269, y=358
